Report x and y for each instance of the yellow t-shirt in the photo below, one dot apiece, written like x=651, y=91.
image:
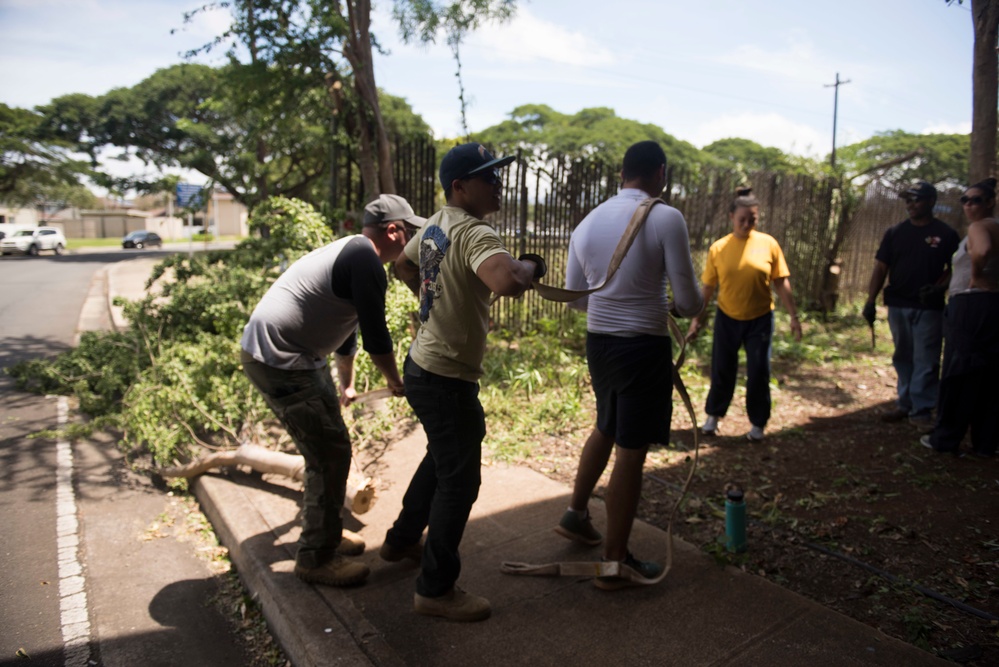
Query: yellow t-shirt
x=741, y=270
x=454, y=302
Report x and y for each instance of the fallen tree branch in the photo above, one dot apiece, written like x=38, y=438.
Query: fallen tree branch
x=360, y=495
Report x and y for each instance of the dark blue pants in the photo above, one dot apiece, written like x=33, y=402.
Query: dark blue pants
x=730, y=335
x=446, y=483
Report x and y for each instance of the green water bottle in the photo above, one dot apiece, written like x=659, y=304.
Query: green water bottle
x=735, y=520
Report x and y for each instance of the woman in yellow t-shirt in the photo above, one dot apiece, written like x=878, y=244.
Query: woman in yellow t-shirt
x=742, y=266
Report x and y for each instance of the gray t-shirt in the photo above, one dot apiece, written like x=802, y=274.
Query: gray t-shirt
x=314, y=308
x=635, y=300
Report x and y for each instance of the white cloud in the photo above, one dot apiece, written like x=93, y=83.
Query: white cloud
x=948, y=128
x=528, y=38
x=798, y=59
x=768, y=129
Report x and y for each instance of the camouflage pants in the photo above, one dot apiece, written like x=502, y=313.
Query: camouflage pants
x=306, y=403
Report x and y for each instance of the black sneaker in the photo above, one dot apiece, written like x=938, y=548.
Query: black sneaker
x=578, y=528
x=645, y=568
x=894, y=415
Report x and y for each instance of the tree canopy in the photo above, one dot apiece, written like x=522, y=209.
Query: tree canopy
x=595, y=133
x=36, y=167
x=898, y=157
x=239, y=125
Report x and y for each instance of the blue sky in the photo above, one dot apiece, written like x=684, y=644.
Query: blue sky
x=701, y=70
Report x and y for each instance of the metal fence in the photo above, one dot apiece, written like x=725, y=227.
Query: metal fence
x=543, y=203
x=829, y=245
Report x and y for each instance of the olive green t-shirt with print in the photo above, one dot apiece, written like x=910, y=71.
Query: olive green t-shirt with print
x=454, y=302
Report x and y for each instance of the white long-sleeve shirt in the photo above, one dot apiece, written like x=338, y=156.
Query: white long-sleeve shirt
x=635, y=300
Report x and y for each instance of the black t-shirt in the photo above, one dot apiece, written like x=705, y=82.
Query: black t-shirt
x=916, y=256
x=359, y=277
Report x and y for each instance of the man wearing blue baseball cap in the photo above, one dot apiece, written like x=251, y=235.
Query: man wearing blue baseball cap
x=915, y=257
x=454, y=265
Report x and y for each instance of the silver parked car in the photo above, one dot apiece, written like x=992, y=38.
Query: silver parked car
x=33, y=241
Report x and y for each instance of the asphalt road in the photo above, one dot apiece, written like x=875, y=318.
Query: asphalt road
x=83, y=578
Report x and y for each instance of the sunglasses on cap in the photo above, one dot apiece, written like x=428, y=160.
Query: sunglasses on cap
x=977, y=200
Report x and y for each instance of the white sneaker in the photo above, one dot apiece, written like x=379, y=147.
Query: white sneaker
x=710, y=426
x=755, y=434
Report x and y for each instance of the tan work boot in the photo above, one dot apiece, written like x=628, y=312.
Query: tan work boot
x=351, y=544
x=338, y=571
x=456, y=605
x=391, y=554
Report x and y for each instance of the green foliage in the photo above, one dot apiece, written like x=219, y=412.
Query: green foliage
x=899, y=157
x=98, y=371
x=424, y=20
x=749, y=155
x=597, y=134
x=36, y=166
x=173, y=380
x=534, y=387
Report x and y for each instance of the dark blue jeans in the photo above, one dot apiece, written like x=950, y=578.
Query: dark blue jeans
x=729, y=335
x=918, y=336
x=446, y=483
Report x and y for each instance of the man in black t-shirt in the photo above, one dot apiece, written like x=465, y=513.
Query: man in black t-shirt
x=915, y=257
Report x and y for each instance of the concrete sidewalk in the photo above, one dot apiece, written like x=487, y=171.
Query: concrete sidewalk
x=701, y=614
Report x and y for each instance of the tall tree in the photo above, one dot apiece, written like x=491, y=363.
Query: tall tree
x=425, y=20
x=985, y=88
x=324, y=43
x=239, y=125
x=37, y=168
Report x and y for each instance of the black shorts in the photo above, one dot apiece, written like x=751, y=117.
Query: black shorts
x=633, y=382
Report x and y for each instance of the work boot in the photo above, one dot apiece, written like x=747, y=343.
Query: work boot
x=351, y=544
x=455, y=605
x=579, y=528
x=393, y=554
x=337, y=571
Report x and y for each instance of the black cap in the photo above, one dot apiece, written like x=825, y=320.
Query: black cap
x=467, y=160
x=920, y=189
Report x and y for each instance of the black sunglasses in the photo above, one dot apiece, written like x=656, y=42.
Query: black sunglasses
x=491, y=177
x=912, y=198
x=977, y=200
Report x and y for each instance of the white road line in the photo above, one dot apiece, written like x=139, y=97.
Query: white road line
x=72, y=591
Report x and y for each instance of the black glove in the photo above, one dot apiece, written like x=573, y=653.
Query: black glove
x=540, y=267
x=932, y=295
x=869, y=312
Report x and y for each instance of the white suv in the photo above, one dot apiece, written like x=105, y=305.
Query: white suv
x=33, y=241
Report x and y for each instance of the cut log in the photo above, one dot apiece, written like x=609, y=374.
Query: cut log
x=360, y=495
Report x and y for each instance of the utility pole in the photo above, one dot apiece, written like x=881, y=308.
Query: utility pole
x=832, y=159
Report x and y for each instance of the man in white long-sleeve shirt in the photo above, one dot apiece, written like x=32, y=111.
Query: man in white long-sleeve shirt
x=628, y=348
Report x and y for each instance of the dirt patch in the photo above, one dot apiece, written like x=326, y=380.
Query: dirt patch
x=844, y=509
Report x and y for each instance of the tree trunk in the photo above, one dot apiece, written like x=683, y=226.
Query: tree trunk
x=375, y=154
x=360, y=490
x=985, y=90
